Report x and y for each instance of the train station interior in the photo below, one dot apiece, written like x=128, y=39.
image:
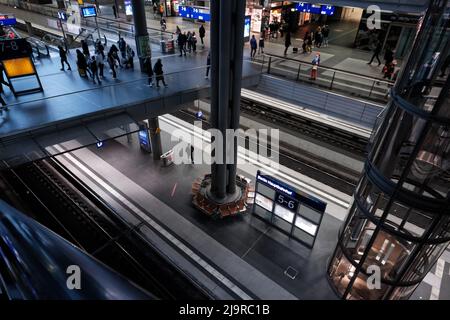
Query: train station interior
x=224, y=150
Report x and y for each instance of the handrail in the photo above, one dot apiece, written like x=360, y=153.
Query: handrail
x=103, y=86
x=334, y=69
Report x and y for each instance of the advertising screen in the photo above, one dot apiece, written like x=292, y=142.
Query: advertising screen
x=128, y=8
x=88, y=12
x=19, y=67
x=247, y=25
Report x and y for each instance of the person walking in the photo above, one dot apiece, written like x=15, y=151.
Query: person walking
x=181, y=43
x=287, y=42
x=315, y=66
x=82, y=64
x=194, y=42
x=129, y=61
x=325, y=34
x=114, y=11
x=261, y=43
x=85, y=48
x=202, y=33
x=376, y=53
x=318, y=37
x=115, y=54
x=158, y=70
x=189, y=41
x=155, y=10
x=63, y=56
x=208, y=65
x=253, y=46
x=122, y=47
x=149, y=70
x=94, y=69
x=112, y=64
x=100, y=58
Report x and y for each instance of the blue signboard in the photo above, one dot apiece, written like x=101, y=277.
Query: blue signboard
x=288, y=209
x=315, y=8
x=87, y=12
x=197, y=13
x=7, y=20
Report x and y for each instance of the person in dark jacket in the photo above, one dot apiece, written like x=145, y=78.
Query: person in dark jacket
x=122, y=47
x=202, y=33
x=388, y=56
x=112, y=63
x=82, y=64
x=149, y=70
x=182, y=38
x=287, y=42
x=85, y=48
x=93, y=66
x=63, y=56
x=261, y=44
x=376, y=53
x=158, y=70
x=253, y=46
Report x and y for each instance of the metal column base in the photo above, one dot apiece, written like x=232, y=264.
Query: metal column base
x=231, y=205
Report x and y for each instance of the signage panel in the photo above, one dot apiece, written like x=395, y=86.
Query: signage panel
x=87, y=12
x=301, y=212
x=19, y=67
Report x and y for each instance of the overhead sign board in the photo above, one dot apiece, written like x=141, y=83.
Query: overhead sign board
x=7, y=20
x=292, y=211
x=316, y=8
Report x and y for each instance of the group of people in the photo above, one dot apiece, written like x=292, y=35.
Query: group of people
x=93, y=65
x=317, y=38
x=390, y=64
x=187, y=42
x=155, y=71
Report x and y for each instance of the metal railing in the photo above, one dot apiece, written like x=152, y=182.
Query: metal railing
x=329, y=78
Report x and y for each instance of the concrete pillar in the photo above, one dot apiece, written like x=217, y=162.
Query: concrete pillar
x=155, y=137
x=140, y=29
x=227, y=41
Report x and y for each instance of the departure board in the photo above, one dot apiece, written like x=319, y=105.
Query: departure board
x=292, y=211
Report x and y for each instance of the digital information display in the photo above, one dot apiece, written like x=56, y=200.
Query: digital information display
x=144, y=139
x=292, y=211
x=315, y=8
x=6, y=20
x=87, y=12
x=196, y=13
x=128, y=8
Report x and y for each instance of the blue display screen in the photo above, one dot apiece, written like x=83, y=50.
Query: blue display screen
x=87, y=12
x=194, y=13
x=143, y=138
x=315, y=8
x=7, y=21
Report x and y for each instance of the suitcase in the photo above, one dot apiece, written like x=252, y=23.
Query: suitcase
x=82, y=72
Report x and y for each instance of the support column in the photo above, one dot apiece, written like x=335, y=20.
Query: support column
x=227, y=41
x=140, y=30
x=222, y=193
x=155, y=137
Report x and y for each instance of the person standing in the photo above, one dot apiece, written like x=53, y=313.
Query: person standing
x=315, y=66
x=112, y=64
x=155, y=10
x=208, y=65
x=253, y=46
x=376, y=53
x=122, y=47
x=318, y=37
x=181, y=44
x=158, y=70
x=287, y=42
x=326, y=34
x=94, y=69
x=149, y=70
x=114, y=11
x=202, y=33
x=261, y=44
x=194, y=42
x=63, y=56
x=82, y=64
x=85, y=48
x=189, y=41
x=100, y=58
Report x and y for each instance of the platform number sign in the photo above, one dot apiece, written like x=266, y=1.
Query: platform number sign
x=10, y=49
x=292, y=211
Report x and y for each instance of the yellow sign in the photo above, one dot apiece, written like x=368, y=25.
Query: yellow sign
x=80, y=2
x=18, y=67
